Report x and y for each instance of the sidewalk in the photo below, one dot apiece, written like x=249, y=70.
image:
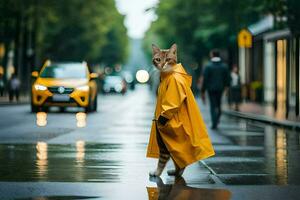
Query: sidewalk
x=4, y=101
x=249, y=160
x=266, y=114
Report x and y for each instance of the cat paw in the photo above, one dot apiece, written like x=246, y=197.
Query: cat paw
x=154, y=173
x=171, y=172
x=174, y=172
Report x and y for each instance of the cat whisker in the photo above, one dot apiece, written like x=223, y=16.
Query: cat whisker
x=165, y=65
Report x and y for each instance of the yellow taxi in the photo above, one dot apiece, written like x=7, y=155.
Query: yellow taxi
x=64, y=85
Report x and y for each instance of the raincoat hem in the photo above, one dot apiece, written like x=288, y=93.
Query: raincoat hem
x=152, y=155
x=197, y=158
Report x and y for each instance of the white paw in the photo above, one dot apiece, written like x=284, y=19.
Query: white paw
x=174, y=172
x=154, y=173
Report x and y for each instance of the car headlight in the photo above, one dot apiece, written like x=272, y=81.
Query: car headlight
x=40, y=87
x=83, y=88
x=118, y=88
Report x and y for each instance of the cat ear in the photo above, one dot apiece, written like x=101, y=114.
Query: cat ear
x=173, y=48
x=155, y=49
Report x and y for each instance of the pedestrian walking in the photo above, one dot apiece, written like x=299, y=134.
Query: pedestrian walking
x=234, y=92
x=178, y=130
x=215, y=79
x=14, y=87
x=1, y=85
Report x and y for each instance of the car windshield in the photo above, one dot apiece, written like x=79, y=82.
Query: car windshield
x=113, y=79
x=64, y=71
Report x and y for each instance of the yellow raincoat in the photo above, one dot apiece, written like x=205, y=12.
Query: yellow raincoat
x=185, y=134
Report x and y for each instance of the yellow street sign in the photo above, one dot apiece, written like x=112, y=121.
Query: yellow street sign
x=2, y=50
x=244, y=39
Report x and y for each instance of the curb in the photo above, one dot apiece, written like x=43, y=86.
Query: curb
x=264, y=119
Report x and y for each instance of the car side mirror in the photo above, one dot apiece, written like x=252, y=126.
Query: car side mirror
x=93, y=75
x=35, y=74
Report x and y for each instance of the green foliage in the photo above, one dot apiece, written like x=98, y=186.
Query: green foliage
x=293, y=13
x=91, y=30
x=117, y=49
x=71, y=30
x=256, y=85
x=200, y=25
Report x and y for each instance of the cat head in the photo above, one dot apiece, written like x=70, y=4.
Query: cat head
x=164, y=59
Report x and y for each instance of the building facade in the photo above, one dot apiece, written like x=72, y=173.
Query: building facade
x=281, y=53
x=273, y=61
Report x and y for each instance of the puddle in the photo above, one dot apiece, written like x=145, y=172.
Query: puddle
x=179, y=190
x=60, y=198
x=247, y=179
x=71, y=163
x=268, y=156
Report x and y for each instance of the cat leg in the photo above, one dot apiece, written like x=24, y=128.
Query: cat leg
x=162, y=162
x=164, y=155
x=177, y=171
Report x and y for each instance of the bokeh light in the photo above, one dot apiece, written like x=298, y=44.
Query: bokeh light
x=142, y=76
x=42, y=158
x=41, y=118
x=107, y=70
x=81, y=119
x=80, y=150
x=41, y=148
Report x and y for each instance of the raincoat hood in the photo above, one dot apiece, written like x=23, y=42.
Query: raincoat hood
x=178, y=68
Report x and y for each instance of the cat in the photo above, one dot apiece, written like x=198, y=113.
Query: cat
x=178, y=130
x=164, y=60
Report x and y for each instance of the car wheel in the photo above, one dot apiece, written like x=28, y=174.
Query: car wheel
x=89, y=107
x=34, y=108
x=62, y=109
x=45, y=109
x=95, y=104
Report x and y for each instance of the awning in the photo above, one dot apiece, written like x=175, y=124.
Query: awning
x=263, y=25
x=277, y=35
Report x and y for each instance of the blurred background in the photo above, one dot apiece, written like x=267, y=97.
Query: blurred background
x=260, y=37
x=114, y=38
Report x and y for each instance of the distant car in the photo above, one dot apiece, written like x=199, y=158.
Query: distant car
x=128, y=77
x=64, y=85
x=114, y=84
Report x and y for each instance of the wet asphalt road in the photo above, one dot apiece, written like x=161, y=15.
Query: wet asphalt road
x=102, y=156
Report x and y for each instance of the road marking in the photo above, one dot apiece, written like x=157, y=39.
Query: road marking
x=213, y=174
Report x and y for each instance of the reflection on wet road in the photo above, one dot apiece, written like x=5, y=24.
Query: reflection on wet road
x=257, y=154
x=102, y=155
x=41, y=119
x=247, y=160
x=180, y=190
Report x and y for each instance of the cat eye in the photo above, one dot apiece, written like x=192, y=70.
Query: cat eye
x=168, y=59
x=157, y=59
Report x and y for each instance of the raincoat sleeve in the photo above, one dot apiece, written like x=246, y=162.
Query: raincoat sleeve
x=173, y=98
